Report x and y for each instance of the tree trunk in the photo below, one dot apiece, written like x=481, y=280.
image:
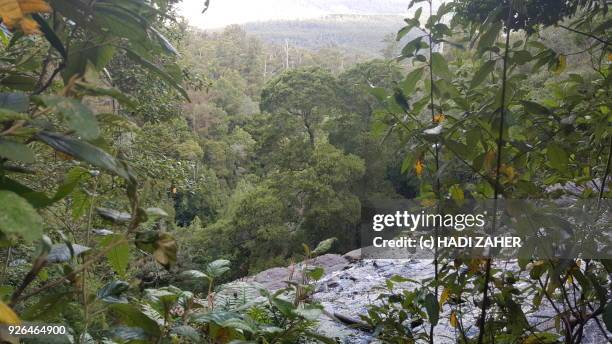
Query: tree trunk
x=310, y=132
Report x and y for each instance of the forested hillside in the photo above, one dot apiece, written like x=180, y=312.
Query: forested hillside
x=357, y=34
x=356, y=7
x=143, y=163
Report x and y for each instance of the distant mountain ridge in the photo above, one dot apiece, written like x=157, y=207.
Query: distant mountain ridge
x=368, y=7
x=363, y=34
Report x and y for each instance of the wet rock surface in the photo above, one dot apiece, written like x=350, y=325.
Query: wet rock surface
x=350, y=291
x=275, y=278
x=351, y=284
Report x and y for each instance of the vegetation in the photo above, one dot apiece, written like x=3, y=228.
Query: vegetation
x=143, y=163
x=361, y=35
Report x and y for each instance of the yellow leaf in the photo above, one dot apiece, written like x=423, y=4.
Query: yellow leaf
x=419, y=166
x=10, y=11
x=165, y=250
x=14, y=13
x=428, y=202
x=63, y=156
x=33, y=6
x=29, y=26
x=609, y=57
x=444, y=296
x=7, y=315
x=560, y=65
x=508, y=171
x=453, y=320
x=439, y=118
x=488, y=160
x=477, y=264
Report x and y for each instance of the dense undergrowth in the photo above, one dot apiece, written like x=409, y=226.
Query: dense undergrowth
x=143, y=163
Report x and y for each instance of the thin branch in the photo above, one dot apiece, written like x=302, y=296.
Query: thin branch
x=500, y=145
x=60, y=280
x=437, y=159
x=606, y=173
x=58, y=69
x=585, y=34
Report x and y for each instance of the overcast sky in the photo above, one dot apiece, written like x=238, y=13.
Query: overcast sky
x=225, y=12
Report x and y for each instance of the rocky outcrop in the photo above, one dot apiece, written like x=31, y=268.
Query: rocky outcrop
x=351, y=284
x=275, y=278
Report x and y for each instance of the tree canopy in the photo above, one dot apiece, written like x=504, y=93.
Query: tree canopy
x=144, y=163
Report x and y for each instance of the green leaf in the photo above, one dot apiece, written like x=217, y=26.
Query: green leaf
x=17, y=102
x=165, y=251
x=324, y=246
x=489, y=36
x=78, y=116
x=535, y=108
x=440, y=66
x=119, y=256
x=19, y=82
x=518, y=321
x=47, y=307
x=417, y=13
x=482, y=73
x=521, y=57
x=607, y=316
x=114, y=216
x=81, y=202
x=162, y=299
x=156, y=212
x=319, y=337
x=285, y=307
x=112, y=292
x=398, y=279
x=86, y=152
x=94, y=53
x=72, y=179
x=403, y=32
x=542, y=338
x=9, y=115
x=19, y=217
x=408, y=85
x=188, y=332
x=459, y=148
x=116, y=121
x=217, y=316
x=193, y=274
x=401, y=100
x=112, y=92
x=537, y=270
x=35, y=198
x=309, y=312
x=50, y=35
x=558, y=65
x=61, y=253
x=126, y=334
x=156, y=70
x=16, y=151
x=315, y=273
x=217, y=268
x=412, y=47
x=456, y=193
x=133, y=317
x=164, y=42
x=433, y=308
x=378, y=92
x=557, y=157
x=408, y=162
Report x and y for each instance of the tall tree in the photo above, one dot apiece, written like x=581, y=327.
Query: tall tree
x=306, y=93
